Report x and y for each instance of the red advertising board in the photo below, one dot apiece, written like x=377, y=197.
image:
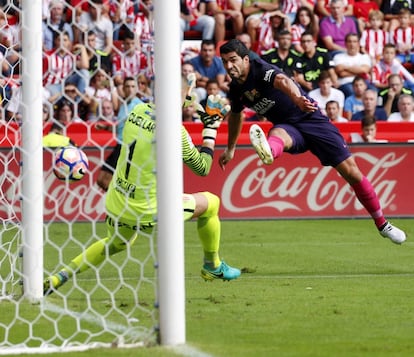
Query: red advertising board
x=295, y=186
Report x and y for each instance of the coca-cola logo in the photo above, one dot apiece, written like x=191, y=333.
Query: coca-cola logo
x=314, y=188
x=82, y=200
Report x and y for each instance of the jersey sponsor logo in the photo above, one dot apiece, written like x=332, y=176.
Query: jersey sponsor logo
x=263, y=106
x=251, y=95
x=268, y=75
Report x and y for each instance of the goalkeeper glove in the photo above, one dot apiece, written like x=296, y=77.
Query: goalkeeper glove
x=216, y=109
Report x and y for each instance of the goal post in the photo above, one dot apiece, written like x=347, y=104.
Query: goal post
x=170, y=182
x=32, y=151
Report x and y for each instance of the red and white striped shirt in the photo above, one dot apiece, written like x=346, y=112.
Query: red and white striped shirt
x=57, y=66
x=297, y=31
x=373, y=42
x=290, y=6
x=402, y=36
x=129, y=66
x=126, y=10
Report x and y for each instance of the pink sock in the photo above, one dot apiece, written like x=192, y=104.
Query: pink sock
x=276, y=145
x=369, y=199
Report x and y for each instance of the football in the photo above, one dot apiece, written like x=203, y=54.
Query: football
x=70, y=164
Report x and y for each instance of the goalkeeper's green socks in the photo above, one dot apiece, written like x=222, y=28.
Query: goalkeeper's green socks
x=209, y=230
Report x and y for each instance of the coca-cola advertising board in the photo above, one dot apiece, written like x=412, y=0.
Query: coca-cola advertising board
x=294, y=186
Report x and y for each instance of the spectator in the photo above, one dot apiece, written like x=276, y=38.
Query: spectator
x=326, y=93
x=368, y=132
x=64, y=113
x=283, y=56
x=332, y=112
x=362, y=9
x=47, y=112
x=186, y=69
x=97, y=20
x=144, y=88
x=121, y=13
x=129, y=63
x=369, y=100
x=10, y=38
x=55, y=22
x=405, y=110
x=79, y=100
x=273, y=23
x=390, y=65
x=312, y=62
x=97, y=58
x=353, y=103
x=253, y=12
x=207, y=66
x=374, y=38
x=144, y=27
x=388, y=98
x=107, y=118
x=324, y=7
x=101, y=87
x=193, y=16
x=391, y=10
x=212, y=88
x=403, y=37
x=247, y=41
x=290, y=8
x=305, y=21
x=227, y=14
x=59, y=65
x=334, y=28
x=107, y=111
x=350, y=64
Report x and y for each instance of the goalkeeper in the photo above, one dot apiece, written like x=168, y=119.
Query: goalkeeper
x=131, y=200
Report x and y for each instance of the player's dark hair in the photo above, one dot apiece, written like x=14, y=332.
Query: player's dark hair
x=234, y=45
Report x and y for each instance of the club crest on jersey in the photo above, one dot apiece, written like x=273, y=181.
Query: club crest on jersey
x=251, y=95
x=268, y=75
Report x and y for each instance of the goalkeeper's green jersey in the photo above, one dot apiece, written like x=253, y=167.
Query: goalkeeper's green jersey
x=132, y=192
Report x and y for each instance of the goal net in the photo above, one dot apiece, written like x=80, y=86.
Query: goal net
x=116, y=303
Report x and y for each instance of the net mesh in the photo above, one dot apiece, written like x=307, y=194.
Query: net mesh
x=114, y=303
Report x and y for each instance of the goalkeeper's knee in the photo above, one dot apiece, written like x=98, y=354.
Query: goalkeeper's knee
x=118, y=244
x=213, y=204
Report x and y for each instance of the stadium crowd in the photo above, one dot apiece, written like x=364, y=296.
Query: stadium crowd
x=355, y=58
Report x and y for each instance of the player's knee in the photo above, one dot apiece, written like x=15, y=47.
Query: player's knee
x=118, y=244
x=213, y=204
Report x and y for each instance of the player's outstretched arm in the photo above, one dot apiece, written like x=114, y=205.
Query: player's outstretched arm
x=286, y=85
x=200, y=162
x=234, y=128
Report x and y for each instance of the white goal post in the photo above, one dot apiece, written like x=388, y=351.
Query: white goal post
x=129, y=301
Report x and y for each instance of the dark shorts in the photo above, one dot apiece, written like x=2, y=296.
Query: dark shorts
x=112, y=159
x=317, y=134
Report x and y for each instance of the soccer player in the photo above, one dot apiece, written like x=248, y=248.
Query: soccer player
x=131, y=200
x=298, y=126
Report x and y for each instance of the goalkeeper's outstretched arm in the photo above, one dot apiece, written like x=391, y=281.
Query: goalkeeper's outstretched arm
x=200, y=161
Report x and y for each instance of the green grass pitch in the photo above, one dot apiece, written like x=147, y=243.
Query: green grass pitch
x=309, y=288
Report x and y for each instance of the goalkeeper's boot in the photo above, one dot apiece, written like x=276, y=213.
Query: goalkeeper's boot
x=395, y=234
x=223, y=272
x=260, y=144
x=52, y=283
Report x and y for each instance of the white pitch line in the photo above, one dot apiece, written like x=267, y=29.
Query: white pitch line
x=184, y=350
x=90, y=318
x=325, y=276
